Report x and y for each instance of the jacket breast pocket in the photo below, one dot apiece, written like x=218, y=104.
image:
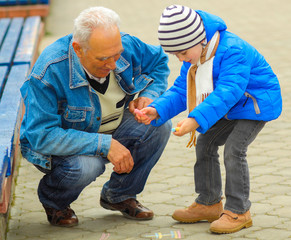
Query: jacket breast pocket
x=76, y=118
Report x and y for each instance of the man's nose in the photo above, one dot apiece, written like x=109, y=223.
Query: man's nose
x=111, y=63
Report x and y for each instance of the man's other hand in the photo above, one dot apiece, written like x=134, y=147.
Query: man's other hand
x=120, y=157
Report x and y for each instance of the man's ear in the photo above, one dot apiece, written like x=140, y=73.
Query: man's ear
x=78, y=49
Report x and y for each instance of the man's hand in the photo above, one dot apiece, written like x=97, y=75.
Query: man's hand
x=146, y=115
x=139, y=103
x=120, y=157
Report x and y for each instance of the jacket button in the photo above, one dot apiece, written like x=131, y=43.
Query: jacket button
x=102, y=154
x=47, y=164
x=98, y=118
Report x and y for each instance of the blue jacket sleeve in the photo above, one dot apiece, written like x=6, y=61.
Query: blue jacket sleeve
x=174, y=100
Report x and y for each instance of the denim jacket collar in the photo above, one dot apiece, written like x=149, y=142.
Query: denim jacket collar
x=121, y=65
x=77, y=73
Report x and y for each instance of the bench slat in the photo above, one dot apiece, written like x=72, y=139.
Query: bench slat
x=26, y=2
x=4, y=23
x=12, y=2
x=8, y=47
x=28, y=40
x=22, y=2
x=3, y=73
x=3, y=2
x=16, y=78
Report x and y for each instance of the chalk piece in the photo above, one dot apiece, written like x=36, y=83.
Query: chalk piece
x=140, y=113
x=176, y=129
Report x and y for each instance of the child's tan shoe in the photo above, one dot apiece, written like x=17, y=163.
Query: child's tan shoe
x=230, y=222
x=198, y=212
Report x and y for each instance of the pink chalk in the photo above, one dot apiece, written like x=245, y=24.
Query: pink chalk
x=140, y=113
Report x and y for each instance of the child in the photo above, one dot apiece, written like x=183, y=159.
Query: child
x=231, y=93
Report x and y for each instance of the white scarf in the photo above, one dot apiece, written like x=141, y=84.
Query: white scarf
x=200, y=79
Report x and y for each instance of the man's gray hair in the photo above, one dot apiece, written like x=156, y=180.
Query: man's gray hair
x=92, y=18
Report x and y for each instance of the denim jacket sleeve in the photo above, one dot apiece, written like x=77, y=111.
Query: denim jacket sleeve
x=148, y=70
x=43, y=125
x=159, y=72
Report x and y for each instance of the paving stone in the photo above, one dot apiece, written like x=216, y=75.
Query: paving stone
x=267, y=221
x=270, y=179
x=280, y=200
x=131, y=230
x=275, y=190
x=270, y=234
x=284, y=212
x=261, y=208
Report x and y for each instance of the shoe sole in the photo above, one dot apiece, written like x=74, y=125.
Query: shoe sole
x=232, y=230
x=194, y=220
x=108, y=207
x=66, y=226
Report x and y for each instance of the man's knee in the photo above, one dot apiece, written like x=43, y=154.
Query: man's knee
x=82, y=170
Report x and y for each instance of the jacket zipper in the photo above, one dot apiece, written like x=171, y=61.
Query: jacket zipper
x=256, y=106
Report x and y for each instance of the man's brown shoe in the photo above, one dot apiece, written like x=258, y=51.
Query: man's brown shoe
x=198, y=212
x=230, y=222
x=130, y=208
x=61, y=218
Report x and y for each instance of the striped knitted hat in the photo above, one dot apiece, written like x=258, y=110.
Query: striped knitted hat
x=180, y=28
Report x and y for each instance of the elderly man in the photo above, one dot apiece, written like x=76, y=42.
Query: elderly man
x=80, y=103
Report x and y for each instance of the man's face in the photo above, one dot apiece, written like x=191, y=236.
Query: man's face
x=104, y=49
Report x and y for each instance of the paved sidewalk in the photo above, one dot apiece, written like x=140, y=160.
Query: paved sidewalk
x=264, y=23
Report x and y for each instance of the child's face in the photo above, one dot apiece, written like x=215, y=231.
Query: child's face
x=191, y=55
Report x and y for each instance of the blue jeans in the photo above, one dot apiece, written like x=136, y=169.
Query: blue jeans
x=236, y=136
x=71, y=174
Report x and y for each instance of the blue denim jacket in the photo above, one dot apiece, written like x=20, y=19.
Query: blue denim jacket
x=63, y=112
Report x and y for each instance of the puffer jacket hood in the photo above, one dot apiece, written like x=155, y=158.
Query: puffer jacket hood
x=211, y=23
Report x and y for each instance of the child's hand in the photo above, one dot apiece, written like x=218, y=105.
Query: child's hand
x=146, y=115
x=185, y=126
